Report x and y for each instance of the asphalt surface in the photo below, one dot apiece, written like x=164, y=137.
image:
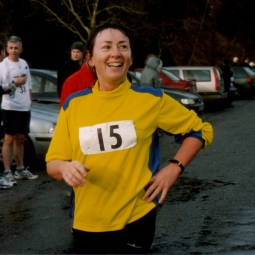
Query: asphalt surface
x=210, y=210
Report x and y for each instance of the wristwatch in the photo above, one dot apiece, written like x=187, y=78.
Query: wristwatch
x=177, y=162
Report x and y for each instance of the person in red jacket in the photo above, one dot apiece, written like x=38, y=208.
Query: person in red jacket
x=82, y=79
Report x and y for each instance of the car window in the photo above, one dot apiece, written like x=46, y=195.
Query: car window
x=175, y=72
x=50, y=86
x=135, y=80
x=249, y=71
x=138, y=74
x=239, y=72
x=36, y=83
x=199, y=75
x=135, y=77
x=170, y=75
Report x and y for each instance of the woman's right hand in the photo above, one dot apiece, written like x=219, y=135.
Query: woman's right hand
x=74, y=173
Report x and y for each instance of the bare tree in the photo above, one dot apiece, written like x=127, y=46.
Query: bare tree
x=79, y=15
x=5, y=23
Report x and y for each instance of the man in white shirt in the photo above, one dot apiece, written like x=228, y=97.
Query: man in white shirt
x=15, y=73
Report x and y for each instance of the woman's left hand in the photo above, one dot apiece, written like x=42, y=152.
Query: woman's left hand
x=161, y=182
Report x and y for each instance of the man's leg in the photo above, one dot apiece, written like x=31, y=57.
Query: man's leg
x=19, y=150
x=21, y=172
x=7, y=150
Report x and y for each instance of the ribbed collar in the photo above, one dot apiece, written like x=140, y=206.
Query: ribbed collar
x=121, y=89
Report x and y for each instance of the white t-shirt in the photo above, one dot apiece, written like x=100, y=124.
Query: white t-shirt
x=10, y=71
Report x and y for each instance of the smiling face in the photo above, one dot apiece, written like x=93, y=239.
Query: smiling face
x=14, y=49
x=111, y=58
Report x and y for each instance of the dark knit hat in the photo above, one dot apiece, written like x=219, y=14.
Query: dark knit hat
x=77, y=46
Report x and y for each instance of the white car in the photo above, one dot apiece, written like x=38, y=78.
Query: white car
x=209, y=80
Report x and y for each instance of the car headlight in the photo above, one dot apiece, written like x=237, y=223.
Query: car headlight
x=52, y=129
x=187, y=101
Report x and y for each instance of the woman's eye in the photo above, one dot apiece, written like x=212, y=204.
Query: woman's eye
x=123, y=46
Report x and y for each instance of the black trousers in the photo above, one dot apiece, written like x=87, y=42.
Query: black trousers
x=135, y=238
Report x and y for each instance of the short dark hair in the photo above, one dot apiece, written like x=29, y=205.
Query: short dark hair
x=92, y=38
x=103, y=26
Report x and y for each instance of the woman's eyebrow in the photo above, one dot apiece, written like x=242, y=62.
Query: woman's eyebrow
x=125, y=41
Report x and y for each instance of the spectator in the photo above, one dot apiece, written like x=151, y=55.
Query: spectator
x=105, y=147
x=235, y=61
x=70, y=66
x=227, y=74
x=252, y=65
x=150, y=73
x=246, y=63
x=15, y=110
x=80, y=80
x=148, y=56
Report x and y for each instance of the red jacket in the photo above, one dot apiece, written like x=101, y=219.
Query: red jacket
x=80, y=80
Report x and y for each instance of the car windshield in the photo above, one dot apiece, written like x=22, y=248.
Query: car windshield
x=170, y=75
x=239, y=72
x=198, y=75
x=136, y=75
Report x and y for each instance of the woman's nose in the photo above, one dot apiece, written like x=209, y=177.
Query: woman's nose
x=115, y=51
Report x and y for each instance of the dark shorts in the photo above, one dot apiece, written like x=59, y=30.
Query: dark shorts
x=16, y=122
x=135, y=238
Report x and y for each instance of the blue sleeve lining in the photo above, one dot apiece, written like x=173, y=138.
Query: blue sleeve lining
x=195, y=134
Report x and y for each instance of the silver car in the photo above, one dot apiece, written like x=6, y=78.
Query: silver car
x=42, y=127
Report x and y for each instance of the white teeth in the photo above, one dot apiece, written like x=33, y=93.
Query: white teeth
x=115, y=64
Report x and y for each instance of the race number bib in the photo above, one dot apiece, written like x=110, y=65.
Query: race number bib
x=107, y=137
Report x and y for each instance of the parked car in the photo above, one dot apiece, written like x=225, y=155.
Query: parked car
x=244, y=81
x=45, y=89
x=44, y=85
x=189, y=100
x=209, y=80
x=42, y=126
x=170, y=80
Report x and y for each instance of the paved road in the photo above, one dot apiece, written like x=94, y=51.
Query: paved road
x=210, y=210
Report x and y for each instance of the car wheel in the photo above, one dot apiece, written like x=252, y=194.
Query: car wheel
x=29, y=153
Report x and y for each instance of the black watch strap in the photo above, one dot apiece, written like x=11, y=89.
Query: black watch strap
x=177, y=162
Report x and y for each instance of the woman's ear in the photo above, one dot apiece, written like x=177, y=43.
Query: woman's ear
x=88, y=59
x=132, y=58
